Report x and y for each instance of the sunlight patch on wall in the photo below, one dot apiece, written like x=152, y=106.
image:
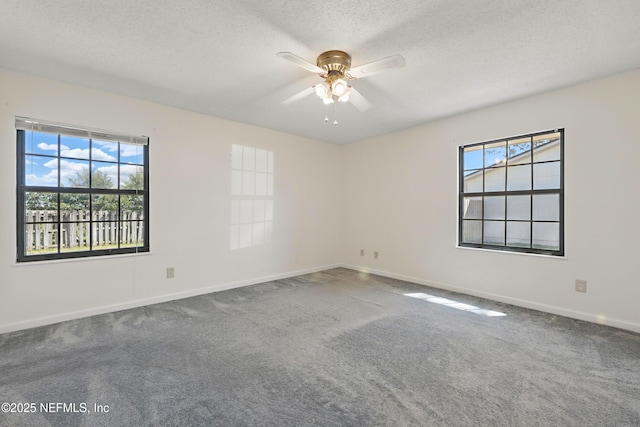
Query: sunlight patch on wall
x=455, y=304
x=251, y=222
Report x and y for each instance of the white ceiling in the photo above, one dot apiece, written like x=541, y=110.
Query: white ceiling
x=219, y=57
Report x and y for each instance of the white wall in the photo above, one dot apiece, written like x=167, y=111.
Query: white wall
x=400, y=199
x=190, y=169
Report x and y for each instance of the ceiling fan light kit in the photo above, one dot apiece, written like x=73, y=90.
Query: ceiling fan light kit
x=334, y=66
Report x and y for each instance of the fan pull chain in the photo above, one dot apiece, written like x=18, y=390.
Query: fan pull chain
x=335, y=113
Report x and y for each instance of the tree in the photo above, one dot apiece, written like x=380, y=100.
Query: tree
x=135, y=182
x=41, y=201
x=98, y=179
x=133, y=203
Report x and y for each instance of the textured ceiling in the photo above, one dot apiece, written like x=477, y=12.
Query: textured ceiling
x=219, y=57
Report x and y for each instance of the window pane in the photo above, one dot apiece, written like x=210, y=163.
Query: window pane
x=105, y=151
x=41, y=171
x=75, y=236
x=104, y=234
x=41, y=238
x=75, y=202
x=104, y=175
x=132, y=177
x=131, y=233
x=104, y=207
x=546, y=235
x=546, y=147
x=494, y=179
x=131, y=207
x=546, y=176
x=519, y=151
x=74, y=173
x=40, y=207
x=519, y=234
x=546, y=207
x=494, y=232
x=131, y=154
x=472, y=157
x=473, y=181
x=519, y=207
x=519, y=178
x=41, y=143
x=472, y=208
x=495, y=154
x=74, y=147
x=494, y=207
x=472, y=231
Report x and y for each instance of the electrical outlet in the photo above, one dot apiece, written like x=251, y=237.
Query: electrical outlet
x=375, y=255
x=170, y=273
x=361, y=252
x=581, y=285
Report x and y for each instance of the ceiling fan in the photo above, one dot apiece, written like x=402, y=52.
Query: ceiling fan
x=334, y=67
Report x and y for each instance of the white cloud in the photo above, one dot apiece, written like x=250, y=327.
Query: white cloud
x=98, y=154
x=49, y=179
x=51, y=147
x=128, y=150
x=69, y=170
x=83, y=153
x=111, y=147
x=111, y=171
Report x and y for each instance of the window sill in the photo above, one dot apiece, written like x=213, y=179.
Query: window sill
x=79, y=259
x=563, y=257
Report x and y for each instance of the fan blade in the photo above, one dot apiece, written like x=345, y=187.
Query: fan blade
x=393, y=61
x=308, y=91
x=358, y=101
x=300, y=62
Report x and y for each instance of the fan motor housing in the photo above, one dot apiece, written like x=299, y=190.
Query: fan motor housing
x=334, y=62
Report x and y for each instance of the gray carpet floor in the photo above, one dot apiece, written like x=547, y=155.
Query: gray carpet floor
x=336, y=348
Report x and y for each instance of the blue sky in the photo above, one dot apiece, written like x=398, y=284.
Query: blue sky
x=74, y=153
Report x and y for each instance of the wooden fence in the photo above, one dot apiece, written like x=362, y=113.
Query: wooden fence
x=78, y=227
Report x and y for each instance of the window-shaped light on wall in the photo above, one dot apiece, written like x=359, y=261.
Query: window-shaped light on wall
x=251, y=221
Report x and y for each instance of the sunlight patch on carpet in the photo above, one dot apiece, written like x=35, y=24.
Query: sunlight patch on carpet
x=455, y=304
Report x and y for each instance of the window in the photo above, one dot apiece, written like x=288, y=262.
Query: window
x=80, y=192
x=511, y=194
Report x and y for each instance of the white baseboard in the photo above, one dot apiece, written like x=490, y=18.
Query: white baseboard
x=125, y=305
x=589, y=317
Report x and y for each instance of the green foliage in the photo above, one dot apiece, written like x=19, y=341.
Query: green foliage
x=80, y=201
x=99, y=179
x=133, y=203
x=41, y=201
x=135, y=182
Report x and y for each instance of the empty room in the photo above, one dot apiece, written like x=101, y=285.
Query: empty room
x=277, y=213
